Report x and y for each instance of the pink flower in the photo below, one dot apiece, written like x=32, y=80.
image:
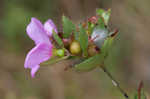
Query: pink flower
x=42, y=51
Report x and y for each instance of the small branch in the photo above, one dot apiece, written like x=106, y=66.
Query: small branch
x=114, y=82
x=139, y=89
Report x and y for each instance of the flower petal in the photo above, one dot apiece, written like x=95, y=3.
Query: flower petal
x=34, y=70
x=36, y=32
x=49, y=26
x=40, y=53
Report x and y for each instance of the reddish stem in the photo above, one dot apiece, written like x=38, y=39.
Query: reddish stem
x=139, y=89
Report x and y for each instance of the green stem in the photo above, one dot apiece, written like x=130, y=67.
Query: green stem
x=115, y=82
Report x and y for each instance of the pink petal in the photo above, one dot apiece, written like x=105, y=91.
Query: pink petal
x=40, y=53
x=34, y=70
x=36, y=32
x=49, y=26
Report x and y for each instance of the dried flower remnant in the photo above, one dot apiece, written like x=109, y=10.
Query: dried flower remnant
x=99, y=36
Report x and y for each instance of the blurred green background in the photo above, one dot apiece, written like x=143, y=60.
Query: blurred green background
x=129, y=60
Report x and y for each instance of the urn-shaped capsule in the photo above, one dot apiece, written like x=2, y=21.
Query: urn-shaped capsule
x=75, y=48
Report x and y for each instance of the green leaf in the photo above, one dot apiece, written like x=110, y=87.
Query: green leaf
x=54, y=60
x=104, y=14
x=83, y=40
x=100, y=12
x=58, y=39
x=68, y=27
x=107, y=45
x=91, y=27
x=101, y=23
x=76, y=35
x=90, y=63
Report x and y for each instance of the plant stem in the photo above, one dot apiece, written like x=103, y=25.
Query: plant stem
x=115, y=82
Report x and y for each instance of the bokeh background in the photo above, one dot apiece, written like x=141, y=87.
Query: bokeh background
x=129, y=61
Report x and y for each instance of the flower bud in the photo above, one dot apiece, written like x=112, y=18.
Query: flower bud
x=60, y=52
x=92, y=50
x=75, y=48
x=66, y=42
x=98, y=36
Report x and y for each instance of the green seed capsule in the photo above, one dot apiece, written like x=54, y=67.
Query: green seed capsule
x=75, y=48
x=60, y=52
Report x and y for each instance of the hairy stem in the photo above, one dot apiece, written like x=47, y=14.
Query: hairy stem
x=115, y=82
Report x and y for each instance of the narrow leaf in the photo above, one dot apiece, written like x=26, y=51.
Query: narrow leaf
x=101, y=23
x=107, y=45
x=91, y=27
x=76, y=35
x=90, y=63
x=54, y=60
x=83, y=40
x=58, y=39
x=68, y=27
x=100, y=12
x=104, y=14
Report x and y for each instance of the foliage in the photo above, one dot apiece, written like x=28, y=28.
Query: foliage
x=58, y=39
x=83, y=39
x=68, y=27
x=104, y=14
x=90, y=63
